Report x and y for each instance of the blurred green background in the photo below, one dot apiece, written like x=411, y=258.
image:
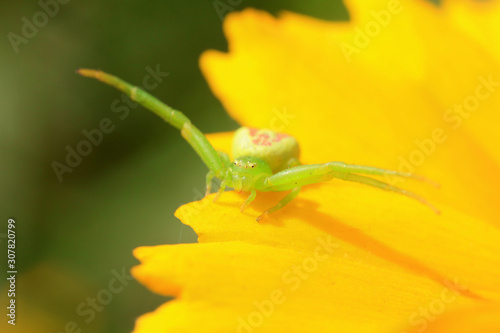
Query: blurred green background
x=74, y=236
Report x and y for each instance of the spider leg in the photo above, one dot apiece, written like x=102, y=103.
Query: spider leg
x=296, y=177
x=293, y=162
x=317, y=173
x=250, y=198
x=209, y=177
x=224, y=158
x=193, y=136
x=223, y=185
x=211, y=174
x=387, y=187
x=289, y=197
x=368, y=170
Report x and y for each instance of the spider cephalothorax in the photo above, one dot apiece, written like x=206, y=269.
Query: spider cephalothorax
x=264, y=160
x=247, y=173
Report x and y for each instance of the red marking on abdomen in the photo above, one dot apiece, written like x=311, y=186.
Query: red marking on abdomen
x=252, y=131
x=280, y=136
x=263, y=139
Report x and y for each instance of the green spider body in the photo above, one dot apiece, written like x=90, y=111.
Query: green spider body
x=263, y=159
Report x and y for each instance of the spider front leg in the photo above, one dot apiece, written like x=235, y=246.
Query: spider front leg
x=209, y=177
x=222, y=187
x=193, y=136
x=211, y=174
x=249, y=200
x=289, y=197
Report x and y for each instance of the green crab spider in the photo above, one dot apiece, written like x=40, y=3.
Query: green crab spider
x=264, y=160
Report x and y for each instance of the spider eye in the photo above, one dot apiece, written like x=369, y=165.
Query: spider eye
x=253, y=166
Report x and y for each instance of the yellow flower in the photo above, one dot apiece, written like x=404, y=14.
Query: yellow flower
x=405, y=86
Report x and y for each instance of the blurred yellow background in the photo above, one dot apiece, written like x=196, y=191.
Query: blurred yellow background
x=75, y=232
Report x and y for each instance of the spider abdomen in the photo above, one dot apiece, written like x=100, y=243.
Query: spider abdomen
x=276, y=149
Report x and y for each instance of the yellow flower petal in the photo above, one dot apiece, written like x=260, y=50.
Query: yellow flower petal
x=484, y=319
x=479, y=20
x=356, y=265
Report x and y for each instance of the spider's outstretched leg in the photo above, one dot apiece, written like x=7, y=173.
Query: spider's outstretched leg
x=176, y=118
x=316, y=173
x=289, y=197
x=387, y=187
x=368, y=170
